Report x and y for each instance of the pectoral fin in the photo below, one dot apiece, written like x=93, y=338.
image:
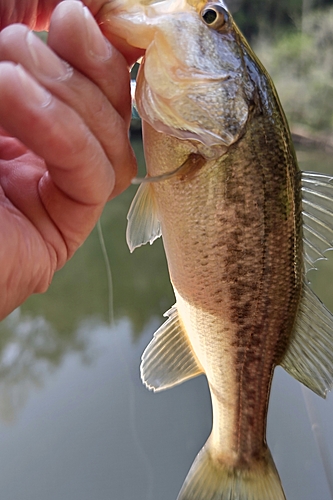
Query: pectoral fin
x=309, y=357
x=169, y=359
x=143, y=225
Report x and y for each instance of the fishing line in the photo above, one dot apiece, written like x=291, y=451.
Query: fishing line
x=131, y=394
x=145, y=461
x=319, y=438
x=108, y=273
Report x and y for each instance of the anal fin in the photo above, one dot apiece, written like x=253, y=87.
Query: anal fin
x=309, y=358
x=168, y=359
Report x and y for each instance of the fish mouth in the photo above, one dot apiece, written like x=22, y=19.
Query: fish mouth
x=137, y=22
x=151, y=9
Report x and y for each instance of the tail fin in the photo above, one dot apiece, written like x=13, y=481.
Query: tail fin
x=209, y=479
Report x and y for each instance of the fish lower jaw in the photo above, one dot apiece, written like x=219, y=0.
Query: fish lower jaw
x=134, y=32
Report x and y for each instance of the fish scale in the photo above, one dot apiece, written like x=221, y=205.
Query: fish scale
x=238, y=274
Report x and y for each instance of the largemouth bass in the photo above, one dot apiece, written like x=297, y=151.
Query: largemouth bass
x=241, y=226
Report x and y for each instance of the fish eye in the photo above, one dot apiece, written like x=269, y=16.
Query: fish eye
x=214, y=16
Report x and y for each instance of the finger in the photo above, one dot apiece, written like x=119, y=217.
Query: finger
x=11, y=148
x=92, y=55
x=35, y=14
x=55, y=132
x=88, y=51
x=83, y=176
x=92, y=101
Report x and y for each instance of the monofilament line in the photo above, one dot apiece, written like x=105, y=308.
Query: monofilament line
x=108, y=272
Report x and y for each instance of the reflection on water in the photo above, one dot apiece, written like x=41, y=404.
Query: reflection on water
x=76, y=421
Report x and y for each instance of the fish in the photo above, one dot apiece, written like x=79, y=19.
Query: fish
x=241, y=227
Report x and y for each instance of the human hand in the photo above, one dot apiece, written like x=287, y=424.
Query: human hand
x=64, y=148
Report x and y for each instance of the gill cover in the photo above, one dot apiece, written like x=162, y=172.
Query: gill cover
x=193, y=82
x=191, y=87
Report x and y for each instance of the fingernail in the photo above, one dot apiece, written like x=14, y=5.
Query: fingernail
x=46, y=62
x=98, y=46
x=34, y=93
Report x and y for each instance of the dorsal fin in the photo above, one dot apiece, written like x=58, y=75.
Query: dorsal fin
x=317, y=201
x=309, y=357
